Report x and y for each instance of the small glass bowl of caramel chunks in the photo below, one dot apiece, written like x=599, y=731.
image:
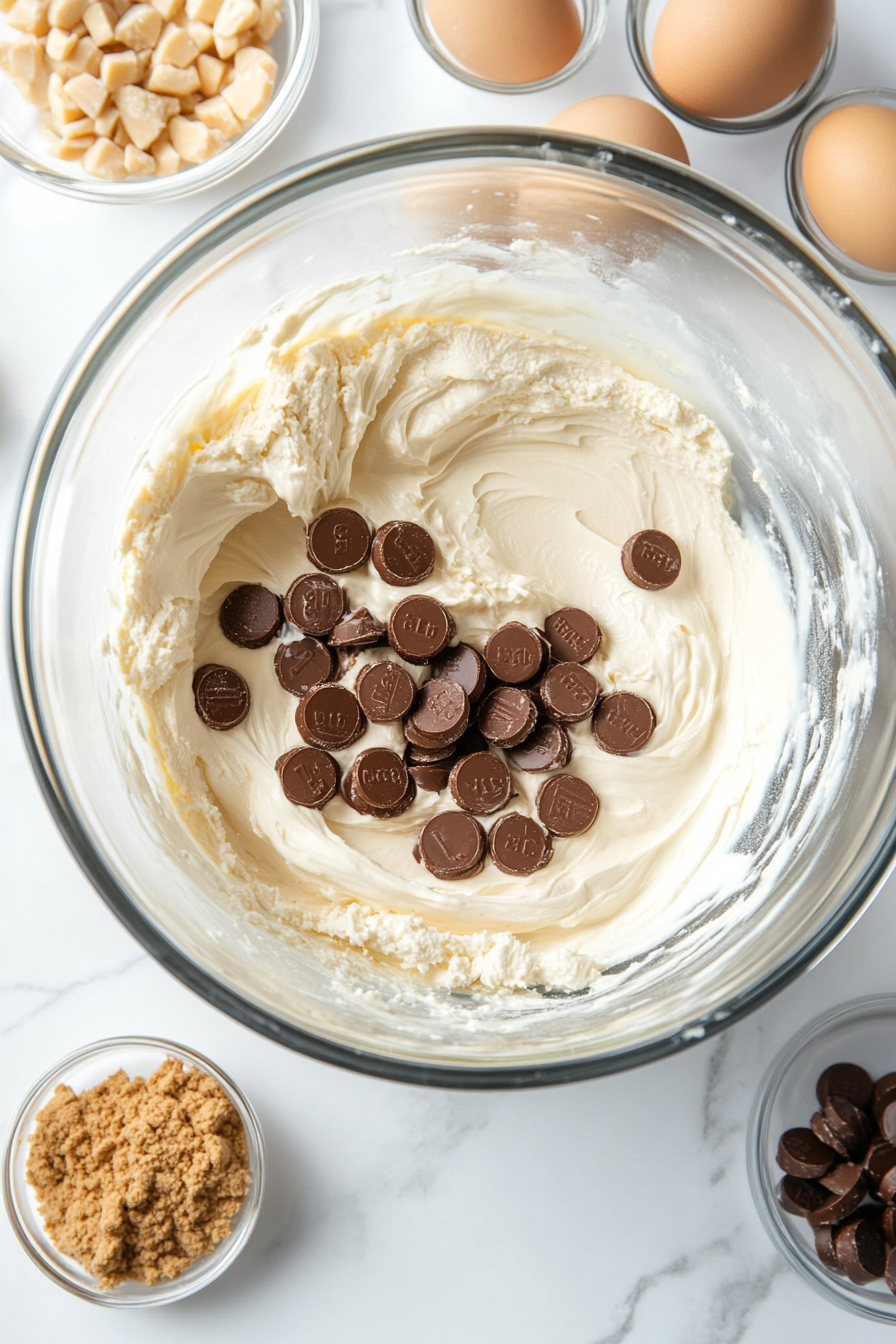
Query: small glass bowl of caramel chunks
x=164, y=97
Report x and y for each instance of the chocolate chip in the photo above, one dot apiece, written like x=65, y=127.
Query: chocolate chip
x=890, y=1271
x=420, y=628
x=851, y=1126
x=330, y=716
x=861, y=1250
x=430, y=755
x=888, y=1122
x=338, y=540
x=566, y=805
x=385, y=690
x=544, y=748
x=360, y=630
x=380, y=778
x=568, y=692
x=302, y=664
x=514, y=653
x=452, y=845
x=314, y=603
x=826, y=1248
x=439, y=714
x=507, y=716
x=841, y=1204
x=798, y=1197
x=518, y=845
x=250, y=616
x=801, y=1154
x=573, y=635
x=481, y=783
x=822, y=1130
x=430, y=778
x=403, y=553
x=310, y=777
x=350, y=793
x=844, y=1080
x=623, y=723
x=651, y=560
x=221, y=696
x=464, y=665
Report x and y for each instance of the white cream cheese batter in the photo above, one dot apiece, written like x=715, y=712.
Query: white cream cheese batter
x=530, y=461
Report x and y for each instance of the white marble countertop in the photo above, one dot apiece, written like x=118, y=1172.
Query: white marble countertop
x=607, y=1211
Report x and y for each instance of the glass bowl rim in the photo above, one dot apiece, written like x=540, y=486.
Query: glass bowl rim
x=757, y=1130
x=680, y=184
x=223, y=1255
x=200, y=176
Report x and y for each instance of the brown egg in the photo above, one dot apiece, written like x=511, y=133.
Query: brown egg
x=508, y=41
x=849, y=177
x=734, y=58
x=627, y=121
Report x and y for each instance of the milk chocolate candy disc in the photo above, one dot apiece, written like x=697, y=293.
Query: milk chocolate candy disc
x=518, y=845
x=826, y=1249
x=431, y=755
x=851, y=1126
x=888, y=1225
x=480, y=783
x=349, y=790
x=651, y=560
x=801, y=1154
x=514, y=653
x=360, y=630
x=314, y=603
x=302, y=664
x=507, y=716
x=338, y=540
x=882, y=1089
x=380, y=778
x=844, y=1080
x=310, y=777
x=568, y=693
x=888, y=1122
x=800, y=1198
x=887, y=1188
x=430, y=778
x=879, y=1159
x=573, y=635
x=566, y=805
x=841, y=1205
x=250, y=616
x=623, y=723
x=221, y=697
x=822, y=1130
x=385, y=690
x=403, y=553
x=861, y=1250
x=543, y=749
x=330, y=716
x=420, y=628
x=452, y=845
x=464, y=665
x=439, y=714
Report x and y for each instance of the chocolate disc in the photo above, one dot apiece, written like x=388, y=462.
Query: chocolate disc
x=845, y=1080
x=851, y=1126
x=221, y=696
x=481, y=783
x=568, y=692
x=380, y=778
x=452, y=845
x=841, y=1178
x=826, y=1249
x=507, y=716
x=439, y=714
x=801, y=1154
x=800, y=1198
x=430, y=755
x=623, y=723
x=329, y=716
x=310, y=777
x=302, y=664
x=518, y=845
x=338, y=540
x=250, y=616
x=544, y=748
x=840, y=1206
x=385, y=690
x=651, y=560
x=861, y=1250
x=350, y=794
x=573, y=635
x=822, y=1130
x=888, y=1122
x=314, y=603
x=403, y=553
x=464, y=665
x=514, y=653
x=882, y=1088
x=887, y=1188
x=566, y=805
x=430, y=778
x=879, y=1159
x=360, y=630
x=420, y=628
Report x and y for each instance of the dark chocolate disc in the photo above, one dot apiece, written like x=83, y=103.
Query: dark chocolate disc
x=879, y=1159
x=417, y=755
x=801, y=1154
x=623, y=723
x=380, y=778
x=852, y=1127
x=566, y=805
x=651, y=560
x=568, y=692
x=887, y=1188
x=338, y=540
x=861, y=1250
x=841, y=1203
x=822, y=1130
x=310, y=777
x=888, y=1224
x=882, y=1090
x=825, y=1248
x=547, y=746
x=314, y=603
x=350, y=794
x=302, y=664
x=250, y=616
x=360, y=630
x=481, y=783
x=329, y=716
x=514, y=653
x=464, y=665
x=221, y=696
x=845, y=1080
x=798, y=1197
x=507, y=716
x=420, y=628
x=888, y=1122
x=573, y=635
x=439, y=714
x=403, y=553
x=452, y=845
x=430, y=778
x=518, y=845
x=385, y=690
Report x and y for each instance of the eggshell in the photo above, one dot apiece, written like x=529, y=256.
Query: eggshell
x=627, y=121
x=849, y=178
x=508, y=41
x=735, y=58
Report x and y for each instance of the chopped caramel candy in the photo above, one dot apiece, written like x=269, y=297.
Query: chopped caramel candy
x=217, y=115
x=23, y=61
x=206, y=10
x=66, y=13
x=193, y=140
x=235, y=17
x=143, y=114
x=88, y=93
x=100, y=20
x=139, y=28
x=250, y=93
x=107, y=123
x=167, y=159
x=29, y=16
x=167, y=8
x=137, y=163
x=175, y=47
x=118, y=68
x=201, y=34
x=60, y=44
x=105, y=159
x=170, y=79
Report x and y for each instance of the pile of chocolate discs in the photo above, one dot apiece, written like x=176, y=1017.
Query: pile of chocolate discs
x=518, y=694
x=841, y=1174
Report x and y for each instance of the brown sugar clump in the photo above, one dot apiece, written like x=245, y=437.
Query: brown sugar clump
x=137, y=1178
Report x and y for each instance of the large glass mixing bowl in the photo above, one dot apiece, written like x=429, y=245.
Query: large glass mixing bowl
x=695, y=289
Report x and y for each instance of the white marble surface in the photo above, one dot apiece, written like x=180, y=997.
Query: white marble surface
x=608, y=1211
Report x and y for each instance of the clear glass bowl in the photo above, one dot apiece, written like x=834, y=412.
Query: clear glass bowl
x=295, y=48
x=796, y=196
x=862, y=1032
x=85, y=1068
x=693, y=287
x=641, y=21
x=594, y=21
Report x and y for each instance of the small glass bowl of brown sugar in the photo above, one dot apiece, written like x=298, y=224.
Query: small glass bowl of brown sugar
x=195, y=1172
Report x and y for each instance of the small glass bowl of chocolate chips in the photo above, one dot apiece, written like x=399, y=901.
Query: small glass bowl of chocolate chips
x=821, y=1152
